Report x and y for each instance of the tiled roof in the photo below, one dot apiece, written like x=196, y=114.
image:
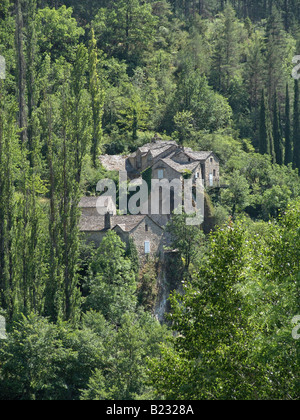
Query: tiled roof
x=92, y=202
x=156, y=146
x=127, y=222
x=114, y=162
x=200, y=156
x=97, y=223
x=159, y=151
x=180, y=167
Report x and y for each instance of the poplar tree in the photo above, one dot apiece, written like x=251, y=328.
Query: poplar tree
x=75, y=140
x=32, y=81
x=22, y=112
x=97, y=99
x=8, y=167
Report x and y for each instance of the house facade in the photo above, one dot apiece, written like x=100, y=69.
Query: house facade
x=171, y=155
x=148, y=236
x=168, y=161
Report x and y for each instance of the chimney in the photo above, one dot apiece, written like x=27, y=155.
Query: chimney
x=107, y=220
x=156, y=138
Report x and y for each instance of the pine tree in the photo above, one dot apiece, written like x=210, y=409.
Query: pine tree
x=254, y=75
x=226, y=55
x=296, y=129
x=288, y=140
x=276, y=55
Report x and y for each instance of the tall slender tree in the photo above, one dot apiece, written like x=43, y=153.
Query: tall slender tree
x=266, y=145
x=97, y=95
x=21, y=71
x=31, y=79
x=288, y=158
x=296, y=129
x=277, y=133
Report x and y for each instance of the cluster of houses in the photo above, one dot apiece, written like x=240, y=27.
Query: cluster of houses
x=167, y=160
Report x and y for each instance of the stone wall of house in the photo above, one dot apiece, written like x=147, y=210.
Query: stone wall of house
x=169, y=173
x=148, y=231
x=198, y=172
x=145, y=162
x=212, y=167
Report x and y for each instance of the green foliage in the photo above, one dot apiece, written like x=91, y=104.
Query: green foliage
x=124, y=377
x=147, y=287
x=147, y=176
x=58, y=33
x=237, y=194
x=112, y=285
x=103, y=76
x=232, y=325
x=187, y=240
x=43, y=361
x=128, y=26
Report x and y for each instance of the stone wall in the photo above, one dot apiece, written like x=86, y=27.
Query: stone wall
x=169, y=173
x=212, y=166
x=148, y=231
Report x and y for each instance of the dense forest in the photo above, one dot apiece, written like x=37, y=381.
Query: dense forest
x=85, y=78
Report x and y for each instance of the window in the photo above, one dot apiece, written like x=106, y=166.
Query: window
x=211, y=160
x=146, y=228
x=147, y=247
x=215, y=173
x=160, y=173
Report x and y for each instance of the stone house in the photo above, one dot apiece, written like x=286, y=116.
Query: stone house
x=150, y=153
x=171, y=154
x=148, y=236
x=167, y=160
x=170, y=169
x=210, y=164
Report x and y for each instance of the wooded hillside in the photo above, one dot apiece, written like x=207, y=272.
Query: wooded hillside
x=85, y=78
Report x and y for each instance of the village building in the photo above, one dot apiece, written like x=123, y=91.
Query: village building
x=148, y=236
x=166, y=160
x=170, y=153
